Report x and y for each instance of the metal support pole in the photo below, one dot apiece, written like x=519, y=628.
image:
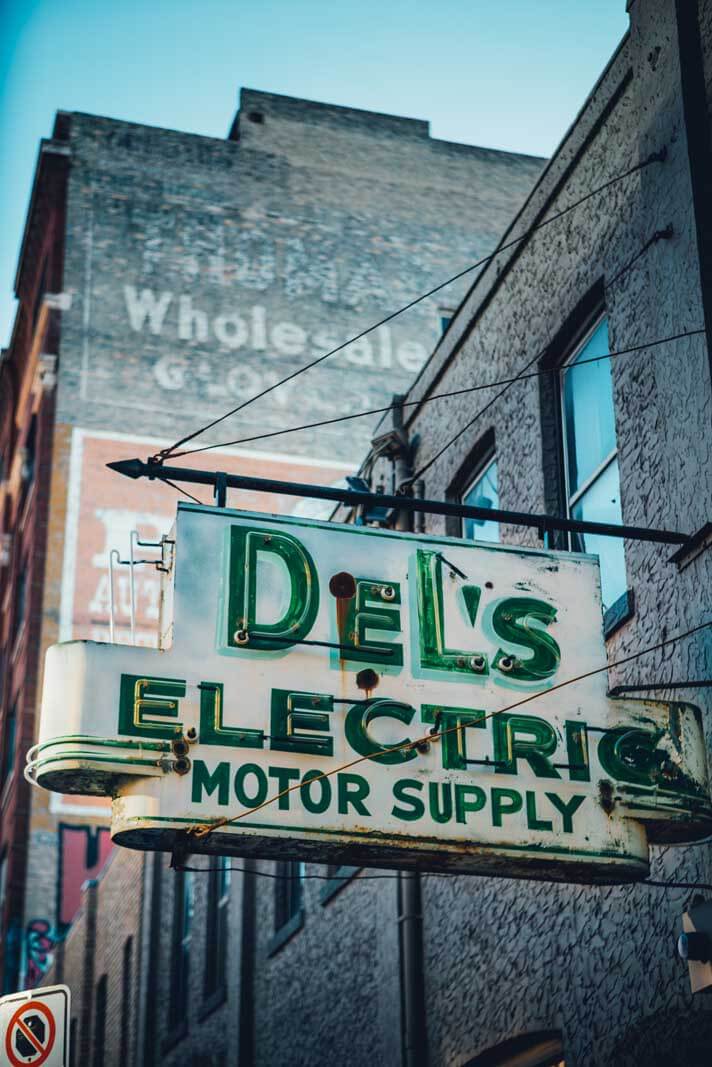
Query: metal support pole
x=132, y=585
x=220, y=490
x=113, y=555
x=136, y=468
x=410, y=919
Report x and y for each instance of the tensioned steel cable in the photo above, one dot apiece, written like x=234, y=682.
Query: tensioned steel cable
x=654, y=157
x=358, y=877
x=521, y=375
x=659, y=235
x=564, y=366
x=202, y=830
x=180, y=489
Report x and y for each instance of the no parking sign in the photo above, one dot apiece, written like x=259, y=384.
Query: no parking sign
x=34, y=1028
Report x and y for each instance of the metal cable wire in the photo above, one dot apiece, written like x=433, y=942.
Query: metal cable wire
x=180, y=489
x=522, y=375
x=357, y=876
x=655, y=157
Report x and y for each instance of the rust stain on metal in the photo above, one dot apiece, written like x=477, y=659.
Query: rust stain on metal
x=343, y=586
x=367, y=680
x=605, y=792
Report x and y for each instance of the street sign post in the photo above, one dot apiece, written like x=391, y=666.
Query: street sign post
x=296, y=648
x=34, y=1027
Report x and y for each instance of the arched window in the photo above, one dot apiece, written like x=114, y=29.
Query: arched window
x=540, y=1049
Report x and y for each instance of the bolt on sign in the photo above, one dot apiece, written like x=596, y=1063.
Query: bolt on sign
x=34, y=1027
x=299, y=649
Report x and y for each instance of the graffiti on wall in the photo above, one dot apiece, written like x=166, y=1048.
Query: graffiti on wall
x=40, y=939
x=83, y=852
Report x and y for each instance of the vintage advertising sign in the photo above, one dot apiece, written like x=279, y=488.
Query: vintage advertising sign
x=34, y=1027
x=298, y=647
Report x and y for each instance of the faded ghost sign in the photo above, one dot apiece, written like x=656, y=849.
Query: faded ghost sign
x=212, y=307
x=299, y=647
x=267, y=339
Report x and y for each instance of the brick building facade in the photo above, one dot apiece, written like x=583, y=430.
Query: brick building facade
x=163, y=278
x=28, y=371
x=327, y=967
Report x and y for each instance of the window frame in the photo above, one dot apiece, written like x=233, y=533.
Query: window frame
x=445, y=316
x=287, y=920
x=8, y=746
x=4, y=862
x=101, y=1000
x=623, y=607
x=20, y=596
x=126, y=993
x=488, y=460
x=542, y=1048
x=484, y=449
x=216, y=936
x=73, y=1042
x=339, y=875
x=181, y=936
x=571, y=499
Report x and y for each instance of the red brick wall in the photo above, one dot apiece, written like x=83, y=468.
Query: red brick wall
x=95, y=946
x=27, y=405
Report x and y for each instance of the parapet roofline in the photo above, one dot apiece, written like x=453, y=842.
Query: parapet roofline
x=258, y=102
x=293, y=106
x=49, y=148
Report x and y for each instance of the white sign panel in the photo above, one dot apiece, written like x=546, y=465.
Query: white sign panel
x=34, y=1027
x=302, y=648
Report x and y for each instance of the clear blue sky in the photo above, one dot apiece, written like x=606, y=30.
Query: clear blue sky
x=502, y=73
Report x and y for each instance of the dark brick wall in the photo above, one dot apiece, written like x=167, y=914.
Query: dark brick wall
x=95, y=946
x=255, y=255
x=27, y=403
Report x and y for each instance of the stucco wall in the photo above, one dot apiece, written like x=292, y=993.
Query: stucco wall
x=598, y=964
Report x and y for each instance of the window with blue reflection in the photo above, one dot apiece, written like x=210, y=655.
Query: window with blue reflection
x=592, y=478
x=180, y=947
x=482, y=494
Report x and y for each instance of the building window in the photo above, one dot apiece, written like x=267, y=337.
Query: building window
x=180, y=948
x=20, y=602
x=445, y=315
x=288, y=902
x=9, y=744
x=100, y=1022
x=542, y=1049
x=73, y=1051
x=3, y=884
x=338, y=875
x=217, y=931
x=41, y=290
x=592, y=481
x=29, y=463
x=126, y=987
x=482, y=493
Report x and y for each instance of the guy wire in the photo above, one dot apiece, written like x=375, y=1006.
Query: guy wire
x=654, y=157
x=357, y=876
x=520, y=376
